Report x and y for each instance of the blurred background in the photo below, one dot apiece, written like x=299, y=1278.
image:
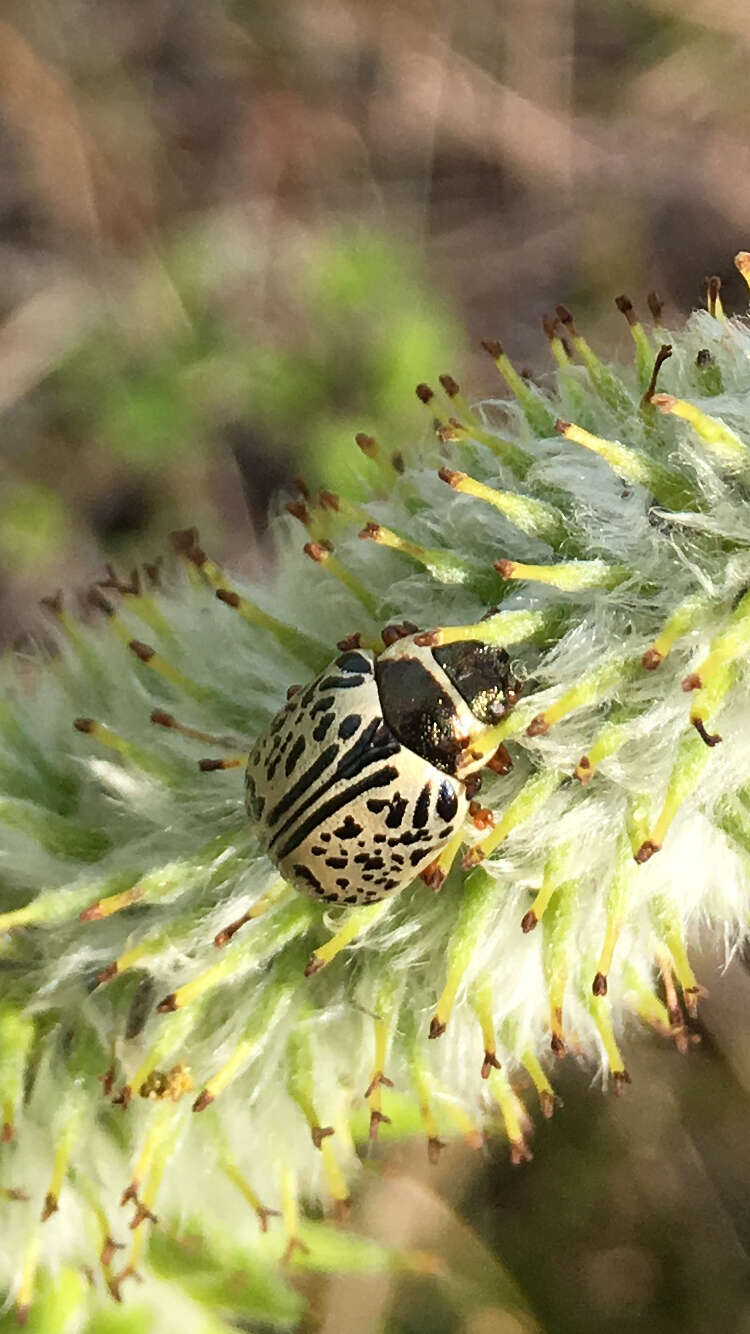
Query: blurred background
x=233, y=234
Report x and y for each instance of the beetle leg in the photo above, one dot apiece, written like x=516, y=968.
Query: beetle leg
x=355, y=924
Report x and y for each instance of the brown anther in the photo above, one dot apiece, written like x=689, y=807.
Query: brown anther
x=655, y=305
x=264, y=1214
x=714, y=287
x=377, y=1119
x=342, y=1209
x=330, y=500
x=505, y=568
x=224, y=936
x=449, y=432
x=162, y=718
x=501, y=762
x=316, y=551
x=451, y=476
x=646, y=851
x=124, y=1097
x=85, y=725
x=433, y=876
x=434, y=1147
x=449, y=385
x=141, y=650
x=549, y=324
x=557, y=1046
x=480, y=816
x=619, y=1079
x=203, y=1101
x=651, y=659
x=293, y=1244
x=424, y=393
x=437, y=1027
x=153, y=571
x=397, y=460
x=116, y=1281
x=492, y=346
x=710, y=738
x=599, y=985
x=229, y=596
x=209, y=766
x=50, y=1207
x=299, y=484
x=319, y=1133
x=529, y=921
x=106, y=974
x=565, y=317
x=16, y=1195
x=107, y=1081
x=6, y=1134
x=90, y=914
x=548, y=1102
x=583, y=771
x=691, y=682
x=472, y=857
x=107, y=1253
x=490, y=1062
x=562, y=426
x=473, y=783
x=428, y=639
x=167, y=1005
x=344, y=645
x=53, y=603
x=184, y=539
x=371, y=530
x=520, y=1152
x=538, y=726
x=142, y=1214
x=314, y=965
x=298, y=510
x=664, y=353
x=379, y=1080
x=390, y=634
x=625, y=306
x=96, y=598
x=703, y=358
x=367, y=443
x=22, y=1313
x=130, y=1193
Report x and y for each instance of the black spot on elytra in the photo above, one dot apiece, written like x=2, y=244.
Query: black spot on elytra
x=349, y=829
x=319, y=732
x=342, y=682
x=349, y=726
x=325, y=838
x=309, y=877
x=350, y=898
x=318, y=852
x=378, y=838
x=343, y=883
x=422, y=807
x=391, y=884
x=397, y=859
x=417, y=856
x=337, y=863
x=370, y=863
x=321, y=705
x=353, y=662
x=447, y=801
x=397, y=811
x=293, y=756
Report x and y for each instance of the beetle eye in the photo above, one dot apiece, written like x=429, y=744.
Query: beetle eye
x=480, y=674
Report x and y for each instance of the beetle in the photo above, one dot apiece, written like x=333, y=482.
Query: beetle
x=365, y=775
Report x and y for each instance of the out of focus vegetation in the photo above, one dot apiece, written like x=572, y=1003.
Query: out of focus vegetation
x=232, y=235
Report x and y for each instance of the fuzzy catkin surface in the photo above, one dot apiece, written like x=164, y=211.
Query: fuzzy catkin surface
x=84, y=818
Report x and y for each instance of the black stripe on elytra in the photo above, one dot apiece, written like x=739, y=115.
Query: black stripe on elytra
x=294, y=755
x=422, y=808
x=381, y=778
x=342, y=682
x=375, y=744
x=314, y=771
